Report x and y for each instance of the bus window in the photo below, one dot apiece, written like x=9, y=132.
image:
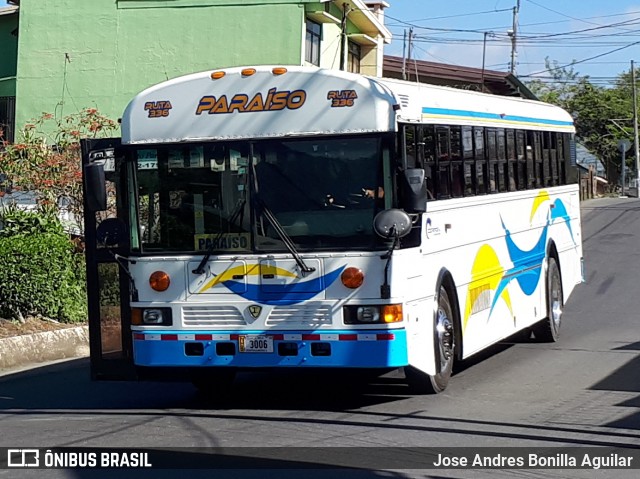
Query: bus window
x=492, y=155
x=480, y=161
x=443, y=162
x=521, y=159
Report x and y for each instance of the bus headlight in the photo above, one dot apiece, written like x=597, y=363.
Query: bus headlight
x=372, y=314
x=151, y=316
x=368, y=314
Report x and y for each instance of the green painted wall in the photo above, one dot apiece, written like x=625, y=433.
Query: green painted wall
x=8, y=54
x=77, y=54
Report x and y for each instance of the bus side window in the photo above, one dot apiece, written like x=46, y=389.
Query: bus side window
x=480, y=161
x=531, y=164
x=443, y=163
x=457, y=171
x=521, y=159
x=512, y=162
x=492, y=156
x=427, y=158
x=409, y=146
x=468, y=165
x=560, y=160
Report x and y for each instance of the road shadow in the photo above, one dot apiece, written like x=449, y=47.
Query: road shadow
x=625, y=379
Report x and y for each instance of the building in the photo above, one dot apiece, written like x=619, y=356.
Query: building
x=61, y=56
x=8, y=64
x=491, y=81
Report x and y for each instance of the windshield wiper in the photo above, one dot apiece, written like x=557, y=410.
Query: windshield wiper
x=286, y=239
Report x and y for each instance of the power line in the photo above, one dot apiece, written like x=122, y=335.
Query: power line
x=463, y=15
x=582, y=61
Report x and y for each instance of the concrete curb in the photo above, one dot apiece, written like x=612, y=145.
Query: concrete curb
x=19, y=351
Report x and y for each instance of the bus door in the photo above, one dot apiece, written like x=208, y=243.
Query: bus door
x=106, y=246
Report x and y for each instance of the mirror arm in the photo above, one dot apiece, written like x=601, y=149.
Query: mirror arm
x=385, y=288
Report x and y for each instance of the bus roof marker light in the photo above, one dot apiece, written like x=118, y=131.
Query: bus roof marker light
x=247, y=72
x=159, y=281
x=279, y=71
x=217, y=75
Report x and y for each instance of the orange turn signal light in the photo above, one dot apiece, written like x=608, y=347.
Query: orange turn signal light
x=279, y=71
x=392, y=313
x=159, y=281
x=136, y=316
x=352, y=277
x=217, y=75
x=247, y=72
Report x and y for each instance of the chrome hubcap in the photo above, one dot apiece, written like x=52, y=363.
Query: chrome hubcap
x=556, y=300
x=444, y=337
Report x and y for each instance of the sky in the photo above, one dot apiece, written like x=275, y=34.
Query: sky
x=601, y=36
x=598, y=34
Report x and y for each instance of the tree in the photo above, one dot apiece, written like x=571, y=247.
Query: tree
x=601, y=115
x=46, y=160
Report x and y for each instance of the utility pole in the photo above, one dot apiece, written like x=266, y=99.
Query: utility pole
x=635, y=127
x=513, y=34
x=343, y=36
x=484, y=54
x=409, y=45
x=404, y=55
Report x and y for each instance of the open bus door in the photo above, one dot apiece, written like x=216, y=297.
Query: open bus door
x=108, y=285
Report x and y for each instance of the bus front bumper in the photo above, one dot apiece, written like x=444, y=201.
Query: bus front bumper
x=254, y=349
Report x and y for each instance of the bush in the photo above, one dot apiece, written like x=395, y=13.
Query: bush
x=15, y=221
x=40, y=273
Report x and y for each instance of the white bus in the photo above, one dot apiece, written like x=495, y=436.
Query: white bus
x=294, y=217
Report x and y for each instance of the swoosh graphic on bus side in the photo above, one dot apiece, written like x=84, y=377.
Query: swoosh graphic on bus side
x=487, y=273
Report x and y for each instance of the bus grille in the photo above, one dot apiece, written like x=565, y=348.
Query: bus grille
x=212, y=315
x=308, y=316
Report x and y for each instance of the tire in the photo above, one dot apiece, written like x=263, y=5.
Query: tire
x=444, y=351
x=213, y=382
x=548, y=330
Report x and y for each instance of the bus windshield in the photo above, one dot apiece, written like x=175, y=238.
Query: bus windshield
x=324, y=193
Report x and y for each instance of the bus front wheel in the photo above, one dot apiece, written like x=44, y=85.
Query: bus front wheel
x=548, y=330
x=444, y=351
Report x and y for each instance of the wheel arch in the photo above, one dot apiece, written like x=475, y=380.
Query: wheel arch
x=552, y=252
x=445, y=279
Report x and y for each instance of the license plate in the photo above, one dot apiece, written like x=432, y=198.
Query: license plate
x=255, y=343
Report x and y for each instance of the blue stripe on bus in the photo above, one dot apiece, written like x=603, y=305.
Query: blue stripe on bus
x=344, y=354
x=493, y=116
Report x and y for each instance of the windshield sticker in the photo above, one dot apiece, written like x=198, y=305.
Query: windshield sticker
x=274, y=100
x=228, y=242
x=340, y=98
x=158, y=109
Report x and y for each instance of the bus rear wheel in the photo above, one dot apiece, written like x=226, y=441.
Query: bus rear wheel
x=548, y=330
x=444, y=351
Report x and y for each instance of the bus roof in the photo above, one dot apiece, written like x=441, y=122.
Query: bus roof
x=260, y=102
x=269, y=101
x=452, y=106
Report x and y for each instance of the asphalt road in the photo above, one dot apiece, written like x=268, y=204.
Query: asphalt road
x=582, y=391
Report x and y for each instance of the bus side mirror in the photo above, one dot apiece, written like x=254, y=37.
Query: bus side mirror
x=392, y=223
x=413, y=190
x=111, y=232
x=95, y=187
